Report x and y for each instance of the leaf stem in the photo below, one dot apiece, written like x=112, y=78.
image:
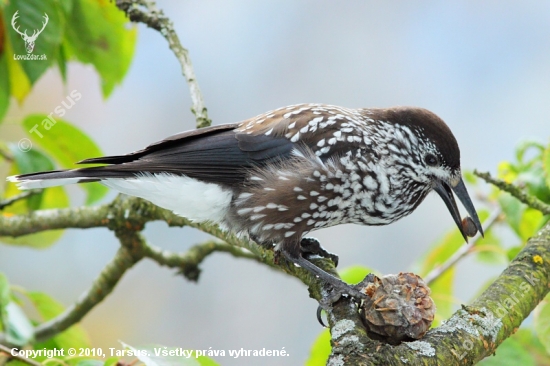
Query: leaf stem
x=9, y=201
x=146, y=12
x=515, y=191
x=17, y=356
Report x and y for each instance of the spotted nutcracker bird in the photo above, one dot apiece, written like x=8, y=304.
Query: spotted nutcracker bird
x=285, y=173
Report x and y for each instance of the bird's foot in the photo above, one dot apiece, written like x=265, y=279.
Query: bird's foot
x=334, y=293
x=335, y=287
x=311, y=247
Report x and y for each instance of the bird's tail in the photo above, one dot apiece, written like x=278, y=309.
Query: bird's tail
x=63, y=177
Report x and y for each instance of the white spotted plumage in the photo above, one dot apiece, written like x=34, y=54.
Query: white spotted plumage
x=318, y=165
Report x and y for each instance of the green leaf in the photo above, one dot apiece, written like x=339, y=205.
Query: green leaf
x=535, y=181
x=112, y=361
x=148, y=355
x=19, y=330
x=29, y=162
x=48, y=308
x=513, y=211
x=513, y=252
x=320, y=350
x=523, y=147
x=530, y=223
x=55, y=197
x=492, y=255
x=529, y=341
x=442, y=294
x=355, y=274
x=489, y=250
x=470, y=177
x=542, y=323
x=510, y=353
x=446, y=247
x=62, y=63
x=14, y=323
x=31, y=18
x=484, y=286
x=66, y=143
x=4, y=85
x=442, y=287
x=98, y=35
x=19, y=82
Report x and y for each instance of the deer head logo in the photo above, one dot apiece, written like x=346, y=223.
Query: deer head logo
x=29, y=40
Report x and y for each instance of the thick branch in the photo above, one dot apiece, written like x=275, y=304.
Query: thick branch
x=146, y=12
x=472, y=333
x=529, y=200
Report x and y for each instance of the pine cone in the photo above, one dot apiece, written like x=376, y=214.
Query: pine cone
x=399, y=307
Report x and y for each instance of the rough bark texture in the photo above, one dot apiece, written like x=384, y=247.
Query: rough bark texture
x=472, y=333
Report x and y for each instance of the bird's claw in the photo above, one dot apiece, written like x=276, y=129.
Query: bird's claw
x=334, y=293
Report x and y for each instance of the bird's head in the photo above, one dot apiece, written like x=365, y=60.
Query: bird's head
x=432, y=148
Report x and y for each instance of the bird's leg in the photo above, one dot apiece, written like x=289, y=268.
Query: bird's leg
x=339, y=287
x=311, y=247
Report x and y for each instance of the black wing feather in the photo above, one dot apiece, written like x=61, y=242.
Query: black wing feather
x=217, y=154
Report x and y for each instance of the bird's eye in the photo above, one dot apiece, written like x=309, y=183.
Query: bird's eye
x=431, y=159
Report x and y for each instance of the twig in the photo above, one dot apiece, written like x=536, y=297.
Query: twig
x=463, y=250
x=515, y=191
x=17, y=356
x=189, y=261
x=124, y=259
x=146, y=12
x=5, y=203
x=6, y=155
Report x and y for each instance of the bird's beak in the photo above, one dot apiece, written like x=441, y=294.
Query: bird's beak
x=444, y=191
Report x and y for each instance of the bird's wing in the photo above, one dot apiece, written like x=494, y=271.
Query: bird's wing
x=210, y=154
x=225, y=154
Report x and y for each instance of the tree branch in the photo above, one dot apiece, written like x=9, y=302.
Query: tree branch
x=6, y=155
x=146, y=12
x=130, y=252
x=529, y=200
x=188, y=262
x=472, y=333
x=126, y=216
x=7, y=351
x=10, y=201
